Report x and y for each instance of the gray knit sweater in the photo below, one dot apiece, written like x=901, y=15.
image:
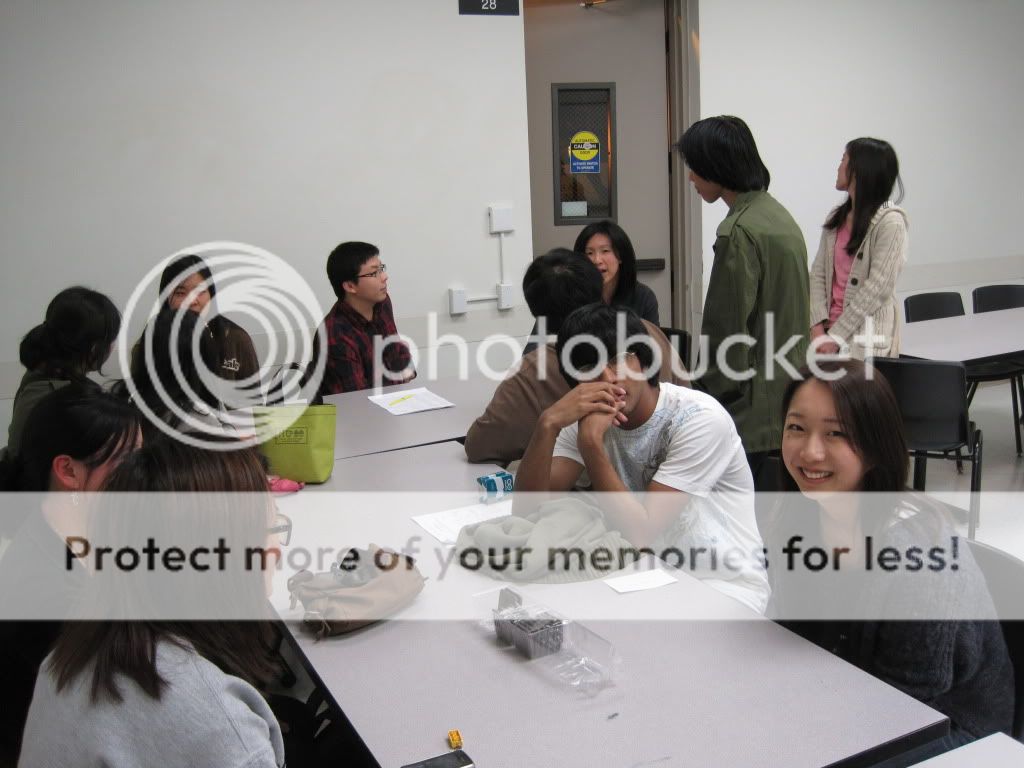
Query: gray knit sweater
x=204, y=718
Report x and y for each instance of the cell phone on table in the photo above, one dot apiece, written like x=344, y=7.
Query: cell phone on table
x=454, y=759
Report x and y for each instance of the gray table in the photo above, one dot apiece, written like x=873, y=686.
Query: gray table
x=433, y=467
x=364, y=428
x=703, y=681
x=996, y=751
x=975, y=338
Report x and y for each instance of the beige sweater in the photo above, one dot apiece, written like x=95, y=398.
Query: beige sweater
x=870, y=290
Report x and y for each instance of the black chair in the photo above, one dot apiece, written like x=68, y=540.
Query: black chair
x=1004, y=574
x=932, y=306
x=991, y=298
x=679, y=339
x=932, y=396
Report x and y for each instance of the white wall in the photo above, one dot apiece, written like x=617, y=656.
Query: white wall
x=133, y=129
x=941, y=80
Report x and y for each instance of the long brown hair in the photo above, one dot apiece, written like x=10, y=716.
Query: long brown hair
x=874, y=166
x=213, y=490
x=869, y=415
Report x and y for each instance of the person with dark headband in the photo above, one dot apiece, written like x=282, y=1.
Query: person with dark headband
x=75, y=339
x=171, y=690
x=758, y=285
x=189, y=282
x=554, y=285
x=74, y=438
x=863, y=249
x=358, y=321
x=634, y=435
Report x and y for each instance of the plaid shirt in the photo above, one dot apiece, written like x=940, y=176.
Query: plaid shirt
x=350, y=357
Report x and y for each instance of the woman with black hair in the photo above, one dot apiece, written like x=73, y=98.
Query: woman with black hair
x=175, y=689
x=862, y=251
x=74, y=438
x=608, y=247
x=758, y=284
x=174, y=372
x=75, y=339
x=925, y=629
x=187, y=281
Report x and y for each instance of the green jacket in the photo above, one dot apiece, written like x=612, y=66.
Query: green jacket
x=760, y=267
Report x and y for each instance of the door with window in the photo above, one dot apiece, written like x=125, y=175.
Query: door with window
x=599, y=129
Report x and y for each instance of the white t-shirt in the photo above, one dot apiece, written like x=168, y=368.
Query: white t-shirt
x=690, y=443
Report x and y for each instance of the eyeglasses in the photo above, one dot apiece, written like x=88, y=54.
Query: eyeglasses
x=375, y=273
x=282, y=526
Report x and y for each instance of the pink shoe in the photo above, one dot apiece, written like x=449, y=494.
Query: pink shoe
x=280, y=486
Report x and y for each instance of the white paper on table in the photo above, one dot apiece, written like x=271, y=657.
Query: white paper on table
x=445, y=526
x=410, y=401
x=635, y=582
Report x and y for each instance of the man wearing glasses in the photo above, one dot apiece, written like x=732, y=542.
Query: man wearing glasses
x=362, y=314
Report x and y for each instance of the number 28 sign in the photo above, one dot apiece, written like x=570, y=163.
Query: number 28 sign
x=489, y=7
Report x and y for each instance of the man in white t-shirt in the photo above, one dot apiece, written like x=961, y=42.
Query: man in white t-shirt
x=631, y=434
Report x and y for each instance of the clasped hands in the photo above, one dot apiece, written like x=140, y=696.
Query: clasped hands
x=595, y=405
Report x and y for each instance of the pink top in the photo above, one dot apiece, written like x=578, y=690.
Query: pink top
x=842, y=264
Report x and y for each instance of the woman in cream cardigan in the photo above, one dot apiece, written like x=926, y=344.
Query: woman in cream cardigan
x=862, y=251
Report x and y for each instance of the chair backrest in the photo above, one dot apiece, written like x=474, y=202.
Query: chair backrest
x=932, y=396
x=989, y=298
x=931, y=306
x=1004, y=574
x=680, y=339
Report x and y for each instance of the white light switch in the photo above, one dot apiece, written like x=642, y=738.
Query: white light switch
x=500, y=217
x=457, y=304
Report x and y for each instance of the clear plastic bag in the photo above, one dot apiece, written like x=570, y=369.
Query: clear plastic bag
x=565, y=650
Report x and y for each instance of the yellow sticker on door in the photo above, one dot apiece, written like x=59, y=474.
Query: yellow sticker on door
x=584, y=153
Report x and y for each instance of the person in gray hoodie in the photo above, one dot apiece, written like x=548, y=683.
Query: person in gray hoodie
x=174, y=689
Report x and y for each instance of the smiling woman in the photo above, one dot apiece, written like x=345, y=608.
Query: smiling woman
x=843, y=437
x=843, y=434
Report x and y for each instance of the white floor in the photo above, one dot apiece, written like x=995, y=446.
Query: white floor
x=1002, y=476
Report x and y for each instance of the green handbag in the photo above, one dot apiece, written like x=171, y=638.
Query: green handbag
x=302, y=443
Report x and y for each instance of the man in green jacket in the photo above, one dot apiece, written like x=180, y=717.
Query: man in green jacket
x=757, y=309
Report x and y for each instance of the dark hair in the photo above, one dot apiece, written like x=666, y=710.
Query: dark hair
x=184, y=267
x=220, y=490
x=79, y=420
x=874, y=166
x=155, y=367
x=600, y=321
x=623, y=249
x=722, y=150
x=557, y=283
x=345, y=261
x=869, y=415
x=76, y=336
